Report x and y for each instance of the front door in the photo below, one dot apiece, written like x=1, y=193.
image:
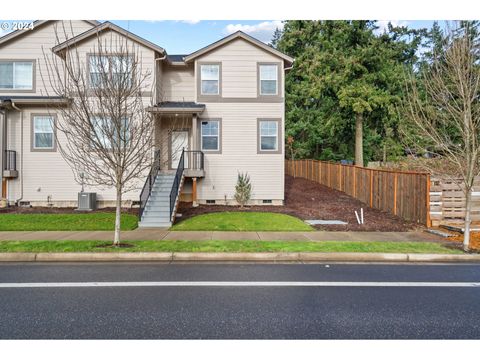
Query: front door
x=178, y=142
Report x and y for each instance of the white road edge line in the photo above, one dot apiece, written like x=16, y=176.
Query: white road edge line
x=240, y=284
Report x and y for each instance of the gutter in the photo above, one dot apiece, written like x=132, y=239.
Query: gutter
x=3, y=147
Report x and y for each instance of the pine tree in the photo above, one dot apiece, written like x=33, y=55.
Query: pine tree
x=277, y=35
x=243, y=189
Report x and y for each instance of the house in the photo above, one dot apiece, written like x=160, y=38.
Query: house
x=229, y=96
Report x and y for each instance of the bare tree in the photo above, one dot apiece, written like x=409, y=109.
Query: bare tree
x=443, y=109
x=105, y=133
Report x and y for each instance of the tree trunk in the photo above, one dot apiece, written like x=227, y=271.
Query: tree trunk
x=118, y=214
x=384, y=154
x=359, y=139
x=468, y=209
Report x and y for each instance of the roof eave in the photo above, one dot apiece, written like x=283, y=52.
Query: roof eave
x=36, y=24
x=175, y=110
x=236, y=35
x=104, y=26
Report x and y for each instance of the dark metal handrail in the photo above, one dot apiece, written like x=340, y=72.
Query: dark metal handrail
x=10, y=160
x=195, y=159
x=176, y=183
x=147, y=187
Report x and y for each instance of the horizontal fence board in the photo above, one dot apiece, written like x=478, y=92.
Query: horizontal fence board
x=402, y=193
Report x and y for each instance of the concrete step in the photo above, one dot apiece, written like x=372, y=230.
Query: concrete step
x=156, y=214
x=157, y=211
x=159, y=198
x=154, y=224
x=162, y=187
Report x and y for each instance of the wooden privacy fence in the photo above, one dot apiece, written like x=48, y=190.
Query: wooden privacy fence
x=402, y=193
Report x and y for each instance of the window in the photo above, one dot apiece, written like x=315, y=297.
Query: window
x=16, y=75
x=210, y=79
x=210, y=131
x=43, y=136
x=107, y=134
x=268, y=79
x=99, y=66
x=104, y=68
x=121, y=68
x=268, y=135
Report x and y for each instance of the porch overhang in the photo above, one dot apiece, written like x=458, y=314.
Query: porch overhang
x=177, y=107
x=7, y=101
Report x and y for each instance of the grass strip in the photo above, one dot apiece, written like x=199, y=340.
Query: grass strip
x=242, y=221
x=218, y=246
x=65, y=222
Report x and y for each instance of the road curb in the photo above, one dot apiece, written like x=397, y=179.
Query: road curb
x=227, y=257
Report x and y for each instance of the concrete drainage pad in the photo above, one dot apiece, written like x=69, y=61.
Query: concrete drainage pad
x=325, y=222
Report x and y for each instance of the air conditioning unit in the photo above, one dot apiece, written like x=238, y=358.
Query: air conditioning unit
x=87, y=201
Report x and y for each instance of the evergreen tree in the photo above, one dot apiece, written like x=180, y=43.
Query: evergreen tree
x=277, y=35
x=346, y=81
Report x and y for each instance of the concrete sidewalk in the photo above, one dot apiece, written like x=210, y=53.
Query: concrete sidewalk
x=156, y=234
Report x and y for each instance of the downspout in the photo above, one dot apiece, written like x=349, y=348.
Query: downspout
x=21, y=152
x=3, y=148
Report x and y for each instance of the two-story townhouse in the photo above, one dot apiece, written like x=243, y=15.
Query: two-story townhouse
x=229, y=96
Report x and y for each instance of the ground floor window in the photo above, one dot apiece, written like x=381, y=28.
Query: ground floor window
x=268, y=135
x=43, y=137
x=210, y=135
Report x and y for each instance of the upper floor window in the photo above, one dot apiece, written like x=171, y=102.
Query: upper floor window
x=108, y=134
x=268, y=135
x=43, y=135
x=210, y=79
x=105, y=68
x=210, y=133
x=268, y=79
x=16, y=75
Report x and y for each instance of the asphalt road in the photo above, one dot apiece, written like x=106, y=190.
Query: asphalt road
x=283, y=307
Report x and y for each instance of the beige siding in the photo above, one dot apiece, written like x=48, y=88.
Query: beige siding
x=239, y=153
x=239, y=60
x=115, y=41
x=178, y=83
x=31, y=46
x=46, y=173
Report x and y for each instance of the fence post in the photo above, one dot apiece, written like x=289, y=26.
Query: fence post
x=395, y=195
x=429, y=222
x=355, y=181
x=329, y=174
x=371, y=188
x=340, y=178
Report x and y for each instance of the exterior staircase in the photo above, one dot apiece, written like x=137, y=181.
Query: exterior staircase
x=157, y=210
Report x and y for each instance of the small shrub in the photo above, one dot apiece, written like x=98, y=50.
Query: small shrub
x=243, y=189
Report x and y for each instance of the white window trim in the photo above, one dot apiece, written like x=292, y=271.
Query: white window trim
x=217, y=136
x=104, y=139
x=217, y=80
x=52, y=119
x=276, y=135
x=31, y=88
x=109, y=67
x=276, y=79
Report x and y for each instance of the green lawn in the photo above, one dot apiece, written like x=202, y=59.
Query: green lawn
x=81, y=221
x=227, y=246
x=242, y=221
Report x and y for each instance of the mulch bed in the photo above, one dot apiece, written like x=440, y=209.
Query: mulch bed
x=309, y=200
x=457, y=241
